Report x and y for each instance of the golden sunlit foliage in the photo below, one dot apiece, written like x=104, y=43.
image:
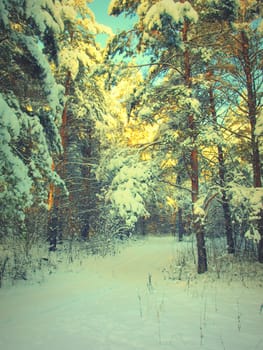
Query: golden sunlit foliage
x=18, y=27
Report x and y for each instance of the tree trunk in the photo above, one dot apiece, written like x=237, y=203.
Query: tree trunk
x=221, y=172
x=180, y=225
x=180, y=228
x=245, y=59
x=201, y=249
x=252, y=108
x=63, y=129
x=228, y=224
x=225, y=204
x=197, y=225
x=260, y=243
x=55, y=226
x=53, y=229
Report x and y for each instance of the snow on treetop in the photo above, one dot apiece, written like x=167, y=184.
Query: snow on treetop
x=177, y=10
x=8, y=121
x=46, y=14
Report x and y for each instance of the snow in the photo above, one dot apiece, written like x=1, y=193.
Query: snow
x=130, y=186
x=177, y=10
x=45, y=14
x=4, y=13
x=123, y=302
x=54, y=91
x=8, y=121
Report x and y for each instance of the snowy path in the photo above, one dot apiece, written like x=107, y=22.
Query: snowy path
x=108, y=304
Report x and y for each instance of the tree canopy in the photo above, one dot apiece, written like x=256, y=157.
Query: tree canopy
x=153, y=133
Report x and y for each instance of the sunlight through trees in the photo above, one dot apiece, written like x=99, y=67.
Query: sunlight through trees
x=160, y=132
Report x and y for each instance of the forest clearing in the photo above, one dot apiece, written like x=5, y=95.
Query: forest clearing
x=131, y=195
x=129, y=301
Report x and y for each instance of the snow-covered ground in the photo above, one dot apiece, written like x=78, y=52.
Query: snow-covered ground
x=123, y=302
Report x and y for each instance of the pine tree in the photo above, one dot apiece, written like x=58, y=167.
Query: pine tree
x=237, y=73
x=78, y=59
x=31, y=101
x=163, y=30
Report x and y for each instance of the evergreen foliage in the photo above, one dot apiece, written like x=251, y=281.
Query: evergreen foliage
x=192, y=69
x=31, y=102
x=164, y=125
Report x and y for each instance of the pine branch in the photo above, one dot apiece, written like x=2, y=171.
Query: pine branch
x=177, y=186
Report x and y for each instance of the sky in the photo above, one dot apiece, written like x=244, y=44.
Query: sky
x=117, y=23
x=100, y=9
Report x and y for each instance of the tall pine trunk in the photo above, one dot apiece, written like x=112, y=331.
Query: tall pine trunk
x=221, y=173
x=194, y=173
x=225, y=204
x=54, y=220
x=247, y=65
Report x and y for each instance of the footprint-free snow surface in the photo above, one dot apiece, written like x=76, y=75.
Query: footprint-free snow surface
x=123, y=302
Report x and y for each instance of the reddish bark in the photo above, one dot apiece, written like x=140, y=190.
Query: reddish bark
x=194, y=164
x=51, y=191
x=252, y=107
x=245, y=58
